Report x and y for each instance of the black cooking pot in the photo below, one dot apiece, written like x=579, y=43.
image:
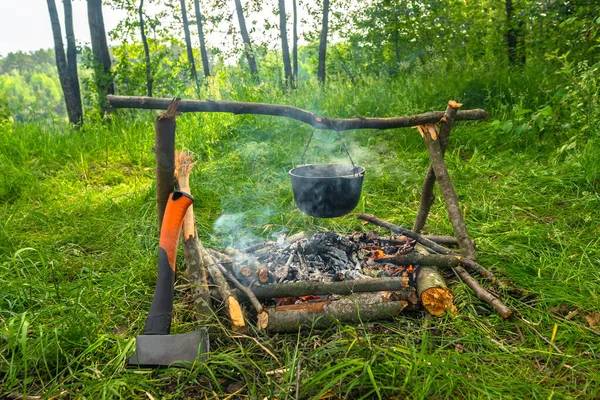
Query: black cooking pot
x=327, y=190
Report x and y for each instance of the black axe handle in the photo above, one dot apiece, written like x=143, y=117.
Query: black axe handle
x=158, y=321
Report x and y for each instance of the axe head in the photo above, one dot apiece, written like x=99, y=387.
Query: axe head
x=164, y=350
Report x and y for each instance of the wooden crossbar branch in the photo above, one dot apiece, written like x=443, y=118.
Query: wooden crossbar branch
x=317, y=121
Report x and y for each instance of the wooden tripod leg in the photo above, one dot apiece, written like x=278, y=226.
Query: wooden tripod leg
x=430, y=135
x=427, y=196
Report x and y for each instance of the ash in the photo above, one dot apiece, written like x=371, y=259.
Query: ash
x=329, y=256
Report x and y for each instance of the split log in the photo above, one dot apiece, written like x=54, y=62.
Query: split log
x=438, y=260
x=225, y=294
x=164, y=149
x=357, y=308
x=430, y=136
x=196, y=270
x=427, y=196
x=183, y=169
x=317, y=121
x=481, y=293
x=435, y=296
x=197, y=276
x=470, y=264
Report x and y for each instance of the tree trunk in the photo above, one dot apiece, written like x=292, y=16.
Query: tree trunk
x=323, y=44
x=203, y=52
x=102, y=63
x=73, y=109
x=285, y=50
x=295, y=43
x=511, y=34
x=149, y=73
x=246, y=38
x=188, y=43
x=72, y=60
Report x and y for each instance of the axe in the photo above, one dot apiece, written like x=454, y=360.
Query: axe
x=156, y=347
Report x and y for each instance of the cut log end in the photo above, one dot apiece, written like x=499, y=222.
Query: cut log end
x=437, y=300
x=262, y=320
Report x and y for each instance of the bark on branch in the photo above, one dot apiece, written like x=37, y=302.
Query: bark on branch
x=438, y=260
x=427, y=196
x=164, y=149
x=360, y=307
x=432, y=140
x=317, y=121
x=298, y=289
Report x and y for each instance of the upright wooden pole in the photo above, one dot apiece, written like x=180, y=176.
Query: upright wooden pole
x=164, y=149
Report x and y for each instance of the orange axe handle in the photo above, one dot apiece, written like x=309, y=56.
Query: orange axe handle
x=159, y=317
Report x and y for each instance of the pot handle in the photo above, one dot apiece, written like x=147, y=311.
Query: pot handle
x=354, y=168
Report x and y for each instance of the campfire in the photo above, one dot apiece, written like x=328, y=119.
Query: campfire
x=311, y=281
x=300, y=280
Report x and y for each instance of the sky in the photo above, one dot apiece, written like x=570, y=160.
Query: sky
x=25, y=24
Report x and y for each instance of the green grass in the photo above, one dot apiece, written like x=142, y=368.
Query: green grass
x=78, y=253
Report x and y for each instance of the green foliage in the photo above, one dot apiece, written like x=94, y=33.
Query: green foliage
x=29, y=86
x=77, y=231
x=78, y=247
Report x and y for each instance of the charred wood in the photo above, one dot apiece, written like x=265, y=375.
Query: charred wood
x=472, y=265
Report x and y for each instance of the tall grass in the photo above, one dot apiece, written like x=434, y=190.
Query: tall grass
x=78, y=244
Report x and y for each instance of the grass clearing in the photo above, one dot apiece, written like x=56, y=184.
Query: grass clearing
x=78, y=253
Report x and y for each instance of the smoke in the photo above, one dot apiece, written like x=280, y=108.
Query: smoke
x=243, y=229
